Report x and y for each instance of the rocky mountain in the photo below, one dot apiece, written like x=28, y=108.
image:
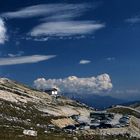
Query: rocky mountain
x=27, y=112
x=135, y=105
x=22, y=108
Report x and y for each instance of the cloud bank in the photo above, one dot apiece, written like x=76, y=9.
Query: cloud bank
x=73, y=84
x=24, y=59
x=3, y=36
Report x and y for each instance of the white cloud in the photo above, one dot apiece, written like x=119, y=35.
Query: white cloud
x=133, y=20
x=58, y=20
x=20, y=53
x=110, y=58
x=65, y=28
x=3, y=36
x=61, y=16
x=46, y=38
x=49, y=10
x=73, y=84
x=84, y=62
x=41, y=39
x=24, y=59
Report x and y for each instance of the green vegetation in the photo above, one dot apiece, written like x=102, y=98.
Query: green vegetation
x=15, y=134
x=23, y=115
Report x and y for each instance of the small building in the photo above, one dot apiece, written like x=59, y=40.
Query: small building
x=53, y=91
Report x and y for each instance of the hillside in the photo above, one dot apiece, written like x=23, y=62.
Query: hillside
x=24, y=108
x=136, y=105
x=125, y=110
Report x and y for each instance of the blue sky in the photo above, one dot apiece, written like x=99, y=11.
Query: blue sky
x=56, y=39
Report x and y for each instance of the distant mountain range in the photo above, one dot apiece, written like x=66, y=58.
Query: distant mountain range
x=132, y=103
x=96, y=101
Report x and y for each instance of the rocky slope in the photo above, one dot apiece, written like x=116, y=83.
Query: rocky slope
x=135, y=105
x=16, y=93
x=24, y=108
